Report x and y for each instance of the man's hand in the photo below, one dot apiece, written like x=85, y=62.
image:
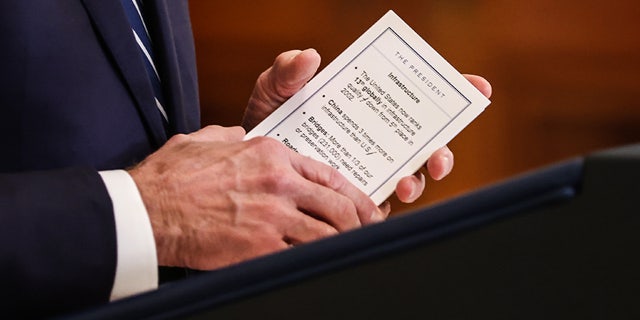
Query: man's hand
x=293, y=69
x=214, y=199
x=289, y=73
x=440, y=164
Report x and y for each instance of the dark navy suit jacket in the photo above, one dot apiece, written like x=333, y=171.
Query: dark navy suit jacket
x=75, y=99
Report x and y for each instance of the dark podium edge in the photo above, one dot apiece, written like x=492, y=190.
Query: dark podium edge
x=205, y=291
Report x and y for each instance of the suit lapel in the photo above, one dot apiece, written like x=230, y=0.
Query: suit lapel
x=112, y=26
x=171, y=33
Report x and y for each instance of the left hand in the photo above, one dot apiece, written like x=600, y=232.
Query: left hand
x=291, y=70
x=289, y=73
x=440, y=163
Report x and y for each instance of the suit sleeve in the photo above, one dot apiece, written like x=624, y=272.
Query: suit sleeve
x=57, y=241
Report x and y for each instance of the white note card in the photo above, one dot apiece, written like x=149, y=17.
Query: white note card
x=379, y=110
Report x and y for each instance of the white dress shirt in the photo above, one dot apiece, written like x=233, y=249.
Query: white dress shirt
x=137, y=264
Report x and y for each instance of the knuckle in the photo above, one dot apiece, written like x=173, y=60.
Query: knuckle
x=327, y=231
x=276, y=174
x=346, y=214
x=179, y=138
x=284, y=55
x=277, y=181
x=238, y=131
x=334, y=179
x=266, y=238
x=266, y=232
x=265, y=145
x=211, y=127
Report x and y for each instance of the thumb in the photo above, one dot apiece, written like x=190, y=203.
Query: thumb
x=290, y=72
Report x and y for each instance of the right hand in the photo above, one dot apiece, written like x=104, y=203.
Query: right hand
x=214, y=199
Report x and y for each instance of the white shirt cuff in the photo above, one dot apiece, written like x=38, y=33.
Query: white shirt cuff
x=137, y=264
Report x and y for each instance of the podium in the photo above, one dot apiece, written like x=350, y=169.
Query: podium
x=558, y=242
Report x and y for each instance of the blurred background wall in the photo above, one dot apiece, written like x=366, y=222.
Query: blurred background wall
x=565, y=74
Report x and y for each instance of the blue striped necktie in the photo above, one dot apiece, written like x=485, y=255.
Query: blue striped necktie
x=133, y=10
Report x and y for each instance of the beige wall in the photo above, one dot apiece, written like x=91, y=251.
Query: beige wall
x=564, y=73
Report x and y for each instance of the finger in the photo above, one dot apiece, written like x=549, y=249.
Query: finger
x=282, y=220
x=293, y=225
x=291, y=71
x=326, y=205
x=385, y=208
x=410, y=188
x=316, y=201
x=480, y=83
x=306, y=229
x=305, y=194
x=440, y=163
x=217, y=133
x=330, y=178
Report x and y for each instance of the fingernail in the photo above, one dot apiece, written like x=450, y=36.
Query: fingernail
x=448, y=164
x=385, y=209
x=417, y=192
x=376, y=216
